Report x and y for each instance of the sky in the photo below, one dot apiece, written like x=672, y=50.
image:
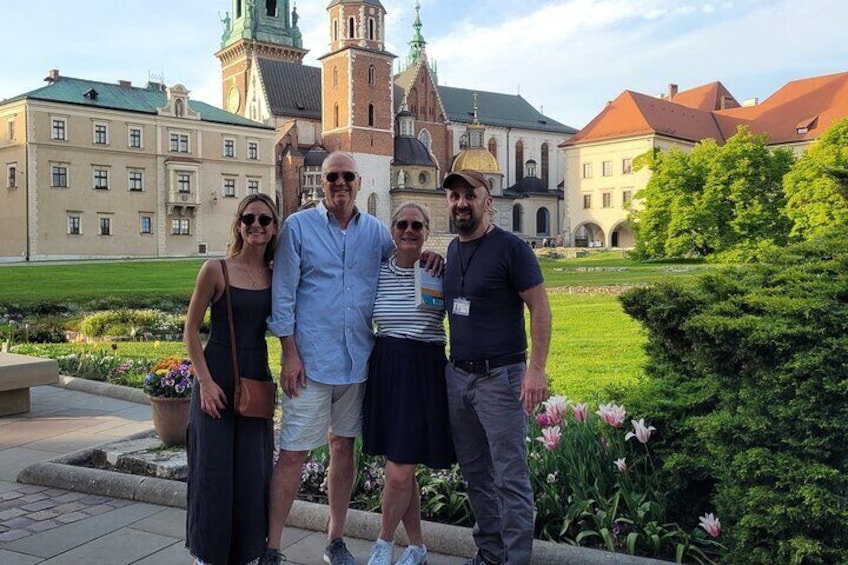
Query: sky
x=567, y=58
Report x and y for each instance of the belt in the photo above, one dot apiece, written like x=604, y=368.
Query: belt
x=483, y=366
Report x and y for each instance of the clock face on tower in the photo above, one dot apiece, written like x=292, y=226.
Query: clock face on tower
x=233, y=99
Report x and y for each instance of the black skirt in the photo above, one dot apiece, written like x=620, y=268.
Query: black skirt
x=405, y=413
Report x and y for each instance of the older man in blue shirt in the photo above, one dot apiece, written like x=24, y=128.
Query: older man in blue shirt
x=325, y=280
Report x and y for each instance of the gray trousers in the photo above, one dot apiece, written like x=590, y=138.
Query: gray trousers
x=489, y=428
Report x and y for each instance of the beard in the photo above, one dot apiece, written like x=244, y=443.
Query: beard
x=466, y=226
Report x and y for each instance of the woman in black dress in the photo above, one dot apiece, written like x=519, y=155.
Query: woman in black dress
x=230, y=457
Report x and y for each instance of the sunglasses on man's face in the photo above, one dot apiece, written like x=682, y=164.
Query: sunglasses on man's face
x=403, y=224
x=264, y=219
x=348, y=176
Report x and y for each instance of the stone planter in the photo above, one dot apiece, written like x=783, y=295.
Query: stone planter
x=170, y=419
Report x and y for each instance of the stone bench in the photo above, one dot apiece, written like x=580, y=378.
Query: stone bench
x=17, y=374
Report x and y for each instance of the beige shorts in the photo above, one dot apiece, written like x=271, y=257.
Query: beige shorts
x=320, y=408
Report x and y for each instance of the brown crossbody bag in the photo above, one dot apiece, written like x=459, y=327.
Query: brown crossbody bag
x=252, y=398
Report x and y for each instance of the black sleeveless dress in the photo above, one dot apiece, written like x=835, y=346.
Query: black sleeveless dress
x=230, y=459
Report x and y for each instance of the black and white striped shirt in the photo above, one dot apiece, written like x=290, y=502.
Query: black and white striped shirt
x=395, y=314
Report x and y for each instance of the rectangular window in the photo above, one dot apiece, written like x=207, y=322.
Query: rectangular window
x=252, y=186
x=252, y=150
x=229, y=148
x=11, y=176
x=587, y=201
x=59, y=129
x=136, y=181
x=59, y=174
x=146, y=224
x=100, y=134
x=11, y=131
x=626, y=166
x=184, y=183
x=606, y=199
x=105, y=225
x=135, y=138
x=101, y=179
x=179, y=142
x=606, y=168
x=587, y=170
x=230, y=188
x=180, y=226
x=626, y=197
x=74, y=225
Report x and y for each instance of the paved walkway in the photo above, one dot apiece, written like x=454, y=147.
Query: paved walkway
x=56, y=526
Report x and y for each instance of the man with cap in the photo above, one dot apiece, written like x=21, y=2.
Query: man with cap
x=490, y=275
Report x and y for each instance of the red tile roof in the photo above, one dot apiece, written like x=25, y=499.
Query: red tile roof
x=696, y=114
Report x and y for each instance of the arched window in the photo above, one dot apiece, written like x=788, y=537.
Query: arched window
x=370, y=114
x=238, y=9
x=519, y=160
x=545, y=166
x=517, y=218
x=493, y=147
x=351, y=27
x=335, y=77
x=424, y=137
x=271, y=8
x=372, y=27
x=372, y=75
x=372, y=204
x=530, y=168
x=335, y=30
x=543, y=222
x=336, y=116
x=179, y=109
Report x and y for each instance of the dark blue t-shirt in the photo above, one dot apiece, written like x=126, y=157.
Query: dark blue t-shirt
x=496, y=268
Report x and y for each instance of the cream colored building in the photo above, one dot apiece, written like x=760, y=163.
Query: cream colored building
x=100, y=170
x=600, y=182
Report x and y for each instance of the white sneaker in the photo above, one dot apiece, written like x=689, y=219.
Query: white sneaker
x=381, y=552
x=413, y=555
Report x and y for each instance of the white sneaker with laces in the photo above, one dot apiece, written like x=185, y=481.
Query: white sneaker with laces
x=413, y=555
x=381, y=552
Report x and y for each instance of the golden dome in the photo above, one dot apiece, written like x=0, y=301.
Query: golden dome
x=478, y=160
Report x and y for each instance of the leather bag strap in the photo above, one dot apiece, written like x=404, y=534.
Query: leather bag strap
x=236, y=374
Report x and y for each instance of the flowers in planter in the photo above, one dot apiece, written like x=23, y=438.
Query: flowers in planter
x=171, y=377
x=711, y=524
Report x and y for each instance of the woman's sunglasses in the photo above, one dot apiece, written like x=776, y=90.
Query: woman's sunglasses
x=347, y=176
x=403, y=224
x=264, y=219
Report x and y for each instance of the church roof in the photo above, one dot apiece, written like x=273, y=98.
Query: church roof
x=527, y=185
x=314, y=156
x=366, y=2
x=496, y=109
x=127, y=98
x=292, y=89
x=411, y=151
x=477, y=159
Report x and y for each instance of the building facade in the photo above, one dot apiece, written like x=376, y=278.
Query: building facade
x=598, y=160
x=97, y=170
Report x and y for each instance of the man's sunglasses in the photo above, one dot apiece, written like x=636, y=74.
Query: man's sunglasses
x=348, y=176
x=264, y=219
x=403, y=224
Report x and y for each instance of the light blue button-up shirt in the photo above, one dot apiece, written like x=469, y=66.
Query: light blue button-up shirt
x=324, y=286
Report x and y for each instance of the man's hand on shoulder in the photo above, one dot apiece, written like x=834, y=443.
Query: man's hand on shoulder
x=433, y=262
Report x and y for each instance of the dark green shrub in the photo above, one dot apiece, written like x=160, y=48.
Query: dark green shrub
x=748, y=379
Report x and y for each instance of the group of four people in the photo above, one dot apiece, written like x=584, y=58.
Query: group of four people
x=338, y=273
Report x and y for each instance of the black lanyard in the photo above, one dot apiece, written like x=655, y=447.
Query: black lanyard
x=463, y=268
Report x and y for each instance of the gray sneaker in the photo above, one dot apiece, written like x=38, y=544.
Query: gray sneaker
x=381, y=553
x=336, y=553
x=478, y=559
x=413, y=555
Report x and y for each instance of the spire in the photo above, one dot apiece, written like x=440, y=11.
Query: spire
x=475, y=130
x=417, y=45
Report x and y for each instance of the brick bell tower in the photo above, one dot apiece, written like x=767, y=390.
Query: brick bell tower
x=255, y=29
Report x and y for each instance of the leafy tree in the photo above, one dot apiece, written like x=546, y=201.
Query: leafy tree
x=817, y=187
x=715, y=199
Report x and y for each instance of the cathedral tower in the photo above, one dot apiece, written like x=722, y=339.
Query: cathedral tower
x=255, y=29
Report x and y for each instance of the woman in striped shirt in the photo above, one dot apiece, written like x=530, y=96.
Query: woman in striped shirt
x=405, y=410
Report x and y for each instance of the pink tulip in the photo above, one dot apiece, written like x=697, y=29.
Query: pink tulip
x=711, y=524
x=621, y=464
x=555, y=408
x=550, y=438
x=543, y=420
x=612, y=414
x=643, y=432
x=581, y=410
